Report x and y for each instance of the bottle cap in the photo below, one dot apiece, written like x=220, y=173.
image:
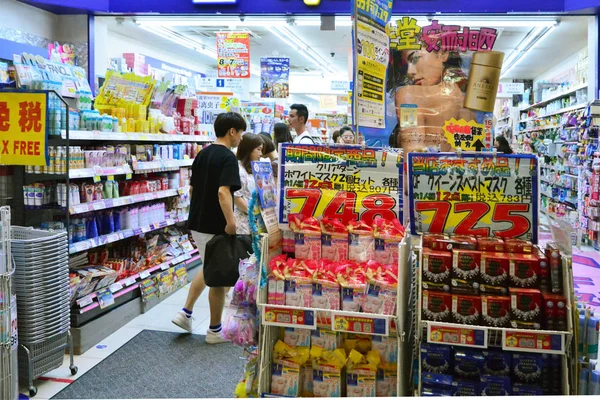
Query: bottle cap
x=489, y=58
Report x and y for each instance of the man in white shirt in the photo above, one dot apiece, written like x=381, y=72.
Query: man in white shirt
x=298, y=120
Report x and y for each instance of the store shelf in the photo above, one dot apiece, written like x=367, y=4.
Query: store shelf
x=99, y=171
x=144, y=167
x=522, y=340
x=124, y=286
x=555, y=97
x=541, y=128
x=561, y=111
x=124, y=201
x=504, y=118
x=567, y=203
x=137, y=137
x=124, y=234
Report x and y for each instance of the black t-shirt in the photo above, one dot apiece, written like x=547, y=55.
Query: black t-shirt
x=214, y=167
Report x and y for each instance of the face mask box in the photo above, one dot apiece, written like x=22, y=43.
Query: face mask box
x=285, y=379
x=327, y=381
x=296, y=337
x=360, y=383
x=326, y=339
x=298, y=293
x=276, y=292
x=387, y=347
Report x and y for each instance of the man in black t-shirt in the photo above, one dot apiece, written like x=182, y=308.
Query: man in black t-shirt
x=215, y=177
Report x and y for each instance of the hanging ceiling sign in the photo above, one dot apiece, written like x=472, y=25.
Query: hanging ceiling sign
x=233, y=54
x=214, y=1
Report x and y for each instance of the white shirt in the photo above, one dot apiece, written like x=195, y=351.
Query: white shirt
x=304, y=138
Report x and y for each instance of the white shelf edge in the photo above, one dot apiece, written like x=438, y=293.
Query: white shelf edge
x=561, y=111
x=555, y=97
x=141, y=137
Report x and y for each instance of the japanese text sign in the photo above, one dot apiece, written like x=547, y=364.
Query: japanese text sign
x=457, y=335
x=342, y=182
x=23, y=128
x=474, y=194
x=233, y=54
x=533, y=342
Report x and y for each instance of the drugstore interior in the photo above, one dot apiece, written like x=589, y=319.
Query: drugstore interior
x=543, y=107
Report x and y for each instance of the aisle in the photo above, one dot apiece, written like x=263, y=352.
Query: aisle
x=157, y=319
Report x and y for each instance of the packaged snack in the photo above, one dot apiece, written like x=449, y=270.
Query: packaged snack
x=554, y=258
x=527, y=367
x=437, y=306
x=362, y=241
x=435, y=358
x=495, y=385
x=494, y=273
x=524, y=271
x=430, y=238
x=326, y=339
x=555, y=312
x=388, y=235
x=495, y=311
x=466, y=388
x=437, y=266
x=287, y=361
x=353, y=281
x=491, y=244
x=326, y=289
x=465, y=271
x=361, y=373
x=518, y=246
x=387, y=381
x=334, y=240
x=466, y=309
x=544, y=268
x=387, y=346
x=497, y=362
x=327, y=372
x=525, y=308
x=468, y=364
x=296, y=337
x=520, y=389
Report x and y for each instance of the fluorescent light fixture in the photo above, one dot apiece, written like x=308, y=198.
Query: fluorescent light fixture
x=248, y=21
x=531, y=40
x=482, y=21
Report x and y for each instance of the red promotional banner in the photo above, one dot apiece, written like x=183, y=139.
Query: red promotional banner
x=233, y=54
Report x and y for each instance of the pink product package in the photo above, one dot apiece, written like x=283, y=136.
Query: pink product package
x=308, y=246
x=380, y=300
x=326, y=296
x=353, y=298
x=288, y=241
x=361, y=247
x=386, y=251
x=334, y=247
x=276, y=292
x=298, y=293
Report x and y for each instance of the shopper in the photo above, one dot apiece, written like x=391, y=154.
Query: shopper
x=335, y=137
x=250, y=149
x=270, y=152
x=282, y=134
x=215, y=178
x=298, y=121
x=347, y=135
x=502, y=145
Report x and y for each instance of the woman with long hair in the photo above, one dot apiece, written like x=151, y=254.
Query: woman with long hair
x=502, y=145
x=270, y=152
x=250, y=149
x=282, y=134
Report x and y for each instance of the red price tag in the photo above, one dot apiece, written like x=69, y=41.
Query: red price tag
x=287, y=317
x=531, y=341
x=457, y=335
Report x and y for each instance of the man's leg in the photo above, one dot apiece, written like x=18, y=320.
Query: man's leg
x=216, y=299
x=196, y=288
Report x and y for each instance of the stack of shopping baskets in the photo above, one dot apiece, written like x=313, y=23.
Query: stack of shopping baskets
x=41, y=281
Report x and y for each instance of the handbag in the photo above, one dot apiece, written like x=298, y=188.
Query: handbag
x=222, y=259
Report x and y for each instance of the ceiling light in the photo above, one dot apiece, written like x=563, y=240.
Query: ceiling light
x=249, y=21
x=534, y=38
x=482, y=22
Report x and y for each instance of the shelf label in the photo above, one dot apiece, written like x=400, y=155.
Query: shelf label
x=531, y=341
x=129, y=281
x=96, y=178
x=357, y=324
x=292, y=318
x=165, y=266
x=113, y=237
x=98, y=205
x=85, y=301
x=146, y=228
x=115, y=287
x=128, y=176
x=144, y=274
x=111, y=178
x=457, y=335
x=149, y=196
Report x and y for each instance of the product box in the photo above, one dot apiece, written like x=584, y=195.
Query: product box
x=353, y=298
x=361, y=382
x=361, y=247
x=380, y=299
x=437, y=267
x=326, y=339
x=296, y=337
x=525, y=308
x=494, y=273
x=544, y=268
x=386, y=250
x=437, y=306
x=466, y=309
x=438, y=384
x=288, y=241
x=465, y=271
x=527, y=367
x=468, y=364
x=520, y=389
x=455, y=242
x=464, y=387
x=495, y=311
x=298, y=293
x=435, y=358
x=308, y=246
x=326, y=296
x=306, y=379
x=490, y=244
x=518, y=246
x=327, y=381
x=554, y=258
x=430, y=238
x=492, y=385
x=497, y=362
x=387, y=347
x=387, y=381
x=276, y=292
x=524, y=271
x=555, y=312
x=285, y=379
x=334, y=246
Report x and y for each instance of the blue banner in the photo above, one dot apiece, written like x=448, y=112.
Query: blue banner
x=275, y=78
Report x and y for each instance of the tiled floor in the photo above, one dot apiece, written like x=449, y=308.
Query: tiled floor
x=158, y=318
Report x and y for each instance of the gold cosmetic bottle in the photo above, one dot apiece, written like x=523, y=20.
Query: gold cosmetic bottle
x=483, y=80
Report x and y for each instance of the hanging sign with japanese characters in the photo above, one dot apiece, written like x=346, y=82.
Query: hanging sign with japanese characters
x=477, y=194
x=342, y=182
x=23, y=128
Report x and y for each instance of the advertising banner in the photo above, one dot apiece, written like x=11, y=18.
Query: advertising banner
x=23, y=128
x=475, y=194
x=275, y=78
x=372, y=51
x=441, y=85
x=233, y=54
x=343, y=182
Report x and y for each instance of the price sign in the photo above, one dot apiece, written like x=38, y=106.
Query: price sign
x=111, y=178
x=165, y=266
x=144, y=274
x=98, y=205
x=531, y=341
x=457, y=335
x=147, y=228
x=114, y=237
x=128, y=176
x=129, y=281
x=356, y=324
x=474, y=194
x=85, y=301
x=287, y=317
x=115, y=287
x=96, y=178
x=343, y=182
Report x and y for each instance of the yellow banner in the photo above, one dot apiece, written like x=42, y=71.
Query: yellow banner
x=468, y=136
x=23, y=128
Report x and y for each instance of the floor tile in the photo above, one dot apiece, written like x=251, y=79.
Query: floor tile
x=83, y=364
x=112, y=343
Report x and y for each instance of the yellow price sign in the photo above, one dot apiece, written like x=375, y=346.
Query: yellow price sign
x=468, y=136
x=23, y=123
x=111, y=178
